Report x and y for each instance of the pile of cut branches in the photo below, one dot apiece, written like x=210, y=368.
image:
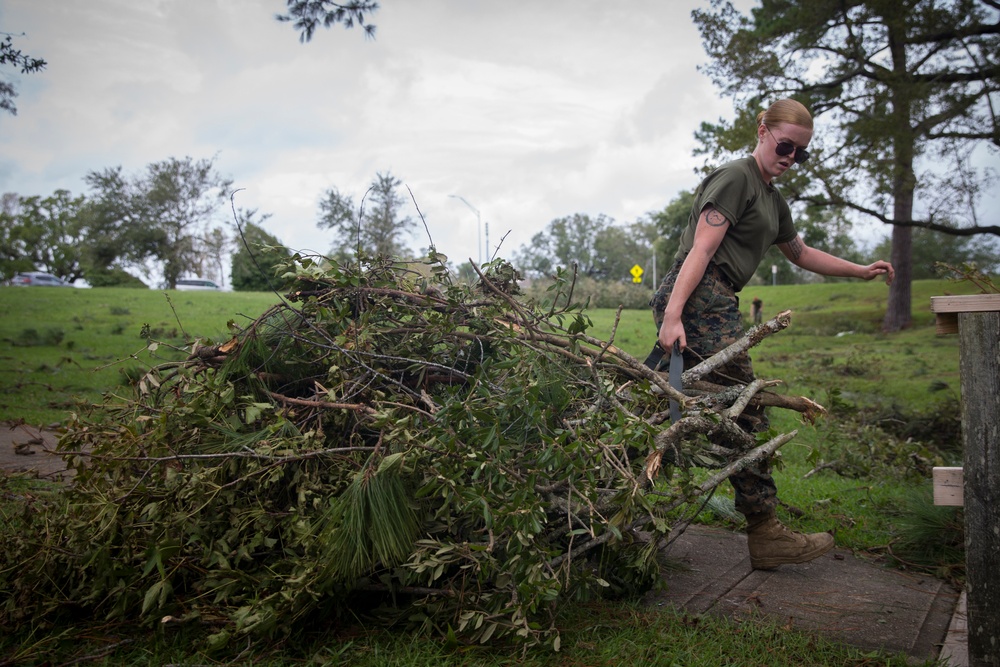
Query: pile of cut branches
x=386, y=443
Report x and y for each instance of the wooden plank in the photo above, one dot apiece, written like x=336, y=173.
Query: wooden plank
x=948, y=485
x=968, y=303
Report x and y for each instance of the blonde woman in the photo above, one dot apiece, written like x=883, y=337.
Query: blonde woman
x=738, y=214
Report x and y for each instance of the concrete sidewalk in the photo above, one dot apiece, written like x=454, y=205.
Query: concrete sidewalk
x=27, y=449
x=837, y=595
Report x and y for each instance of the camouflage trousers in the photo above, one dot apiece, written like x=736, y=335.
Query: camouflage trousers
x=712, y=322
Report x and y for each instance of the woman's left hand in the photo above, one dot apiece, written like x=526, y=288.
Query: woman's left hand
x=877, y=269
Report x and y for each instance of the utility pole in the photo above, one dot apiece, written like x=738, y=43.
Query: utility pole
x=479, y=227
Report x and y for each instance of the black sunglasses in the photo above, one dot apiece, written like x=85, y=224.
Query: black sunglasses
x=784, y=148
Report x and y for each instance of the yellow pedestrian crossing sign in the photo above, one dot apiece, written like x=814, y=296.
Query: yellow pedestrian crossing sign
x=636, y=274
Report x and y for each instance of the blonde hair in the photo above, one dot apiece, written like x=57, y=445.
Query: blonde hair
x=786, y=111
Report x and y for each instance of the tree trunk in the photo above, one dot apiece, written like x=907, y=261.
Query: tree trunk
x=898, y=314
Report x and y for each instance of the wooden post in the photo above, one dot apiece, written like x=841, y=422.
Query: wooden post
x=978, y=319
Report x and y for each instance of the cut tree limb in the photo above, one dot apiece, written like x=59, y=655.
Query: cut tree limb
x=752, y=338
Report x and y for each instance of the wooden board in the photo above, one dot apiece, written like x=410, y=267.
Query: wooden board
x=968, y=303
x=947, y=308
x=948, y=486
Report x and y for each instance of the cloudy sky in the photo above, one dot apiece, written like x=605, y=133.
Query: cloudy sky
x=528, y=110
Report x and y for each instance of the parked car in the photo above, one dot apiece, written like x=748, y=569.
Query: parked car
x=37, y=279
x=188, y=284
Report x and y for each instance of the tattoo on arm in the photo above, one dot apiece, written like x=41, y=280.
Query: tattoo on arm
x=714, y=218
x=795, y=248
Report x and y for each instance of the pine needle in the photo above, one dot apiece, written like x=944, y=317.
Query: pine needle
x=372, y=524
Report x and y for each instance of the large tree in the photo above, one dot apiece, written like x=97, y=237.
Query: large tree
x=376, y=226
x=904, y=92
x=595, y=245
x=117, y=236
x=51, y=233
x=12, y=257
x=566, y=242
x=163, y=214
x=66, y=236
x=9, y=55
x=258, y=253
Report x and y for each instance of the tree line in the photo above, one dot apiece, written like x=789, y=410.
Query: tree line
x=174, y=219
x=601, y=249
x=168, y=219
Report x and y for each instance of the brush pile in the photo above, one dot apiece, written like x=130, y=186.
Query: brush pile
x=386, y=444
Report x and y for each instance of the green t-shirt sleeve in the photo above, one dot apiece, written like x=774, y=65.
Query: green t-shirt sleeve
x=729, y=191
x=786, y=228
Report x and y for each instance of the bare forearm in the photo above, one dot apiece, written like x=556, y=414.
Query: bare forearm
x=687, y=281
x=688, y=278
x=826, y=264
x=711, y=228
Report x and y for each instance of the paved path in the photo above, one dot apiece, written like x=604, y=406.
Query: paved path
x=838, y=595
x=28, y=449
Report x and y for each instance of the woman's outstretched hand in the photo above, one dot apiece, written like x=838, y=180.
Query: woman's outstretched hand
x=879, y=268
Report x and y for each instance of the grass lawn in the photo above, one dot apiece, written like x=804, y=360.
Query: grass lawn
x=60, y=347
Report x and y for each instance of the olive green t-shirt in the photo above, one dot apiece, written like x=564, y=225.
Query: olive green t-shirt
x=759, y=218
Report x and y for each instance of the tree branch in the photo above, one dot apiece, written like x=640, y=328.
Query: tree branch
x=925, y=224
x=752, y=338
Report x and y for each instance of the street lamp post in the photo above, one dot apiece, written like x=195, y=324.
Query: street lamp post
x=479, y=226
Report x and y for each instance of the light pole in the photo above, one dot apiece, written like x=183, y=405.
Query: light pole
x=479, y=226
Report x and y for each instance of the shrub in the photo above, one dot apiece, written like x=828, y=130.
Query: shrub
x=113, y=278
x=594, y=293
x=930, y=537
x=32, y=337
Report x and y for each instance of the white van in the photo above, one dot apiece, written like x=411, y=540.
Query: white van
x=188, y=284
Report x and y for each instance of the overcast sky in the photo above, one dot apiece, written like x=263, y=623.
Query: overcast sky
x=528, y=110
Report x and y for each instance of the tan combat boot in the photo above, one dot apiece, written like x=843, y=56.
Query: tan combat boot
x=771, y=544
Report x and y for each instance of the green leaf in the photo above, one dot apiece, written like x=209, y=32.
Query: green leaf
x=153, y=596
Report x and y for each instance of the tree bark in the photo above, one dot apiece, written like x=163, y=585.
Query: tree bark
x=898, y=313
x=979, y=360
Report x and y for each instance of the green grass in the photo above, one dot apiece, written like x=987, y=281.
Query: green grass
x=61, y=347
x=834, y=340
x=58, y=347
x=597, y=635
